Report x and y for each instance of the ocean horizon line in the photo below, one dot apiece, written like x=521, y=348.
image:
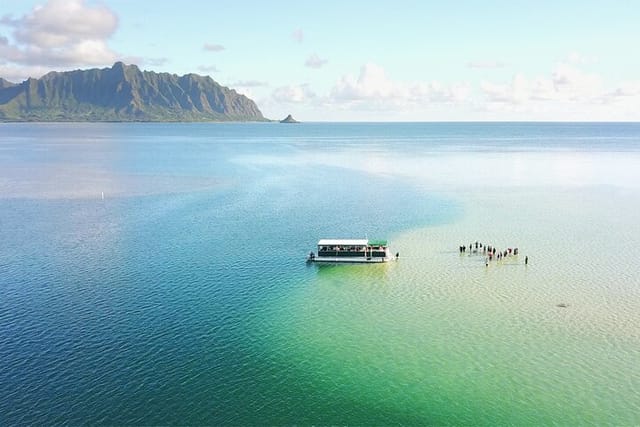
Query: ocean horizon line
x=276, y=122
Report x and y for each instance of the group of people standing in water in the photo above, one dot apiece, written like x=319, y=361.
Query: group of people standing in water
x=490, y=252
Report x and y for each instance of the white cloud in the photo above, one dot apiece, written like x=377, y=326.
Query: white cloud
x=88, y=51
x=60, y=23
x=516, y=92
x=455, y=93
x=567, y=92
x=8, y=52
x=60, y=33
x=246, y=91
x=247, y=87
x=374, y=89
x=314, y=61
x=295, y=94
x=577, y=58
x=17, y=74
x=372, y=83
x=575, y=84
x=298, y=35
x=213, y=47
x=565, y=84
x=627, y=91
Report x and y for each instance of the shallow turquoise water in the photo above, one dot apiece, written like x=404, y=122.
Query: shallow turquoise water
x=183, y=296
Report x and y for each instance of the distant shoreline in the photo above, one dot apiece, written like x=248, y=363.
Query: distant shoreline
x=326, y=121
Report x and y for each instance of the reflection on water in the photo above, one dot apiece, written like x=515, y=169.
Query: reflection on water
x=83, y=160
x=420, y=165
x=346, y=272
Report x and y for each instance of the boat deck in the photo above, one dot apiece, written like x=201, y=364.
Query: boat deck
x=352, y=251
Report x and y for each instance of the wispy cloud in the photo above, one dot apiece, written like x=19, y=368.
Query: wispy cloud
x=249, y=83
x=213, y=47
x=153, y=61
x=208, y=69
x=298, y=35
x=314, y=61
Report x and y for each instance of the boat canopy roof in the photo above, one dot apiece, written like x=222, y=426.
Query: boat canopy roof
x=351, y=242
x=378, y=242
x=343, y=242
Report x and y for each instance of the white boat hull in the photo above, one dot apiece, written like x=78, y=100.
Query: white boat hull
x=350, y=260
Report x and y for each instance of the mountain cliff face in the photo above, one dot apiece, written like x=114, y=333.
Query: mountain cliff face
x=123, y=93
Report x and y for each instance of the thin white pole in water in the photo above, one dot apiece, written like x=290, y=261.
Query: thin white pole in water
x=103, y=195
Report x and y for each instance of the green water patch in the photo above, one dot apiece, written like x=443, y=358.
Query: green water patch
x=368, y=338
x=439, y=338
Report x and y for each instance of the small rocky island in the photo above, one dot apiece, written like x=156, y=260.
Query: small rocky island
x=289, y=119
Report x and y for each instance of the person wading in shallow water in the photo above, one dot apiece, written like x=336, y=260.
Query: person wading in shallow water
x=526, y=260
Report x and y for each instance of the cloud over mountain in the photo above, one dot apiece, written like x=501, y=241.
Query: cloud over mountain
x=60, y=33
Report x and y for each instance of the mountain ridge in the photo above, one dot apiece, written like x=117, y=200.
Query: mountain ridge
x=123, y=93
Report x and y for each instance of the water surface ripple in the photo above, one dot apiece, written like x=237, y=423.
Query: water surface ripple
x=181, y=297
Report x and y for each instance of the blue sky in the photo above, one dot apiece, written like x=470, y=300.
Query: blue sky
x=356, y=60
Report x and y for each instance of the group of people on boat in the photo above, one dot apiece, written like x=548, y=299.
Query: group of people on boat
x=342, y=249
x=490, y=252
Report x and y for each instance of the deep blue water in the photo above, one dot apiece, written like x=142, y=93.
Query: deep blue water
x=145, y=307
